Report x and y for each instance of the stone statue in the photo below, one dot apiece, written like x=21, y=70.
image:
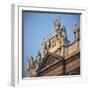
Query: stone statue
x=76, y=31
x=45, y=48
x=64, y=32
x=57, y=25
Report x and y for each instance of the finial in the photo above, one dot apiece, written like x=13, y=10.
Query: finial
x=39, y=56
x=39, y=52
x=31, y=60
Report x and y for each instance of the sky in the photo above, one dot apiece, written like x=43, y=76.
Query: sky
x=39, y=25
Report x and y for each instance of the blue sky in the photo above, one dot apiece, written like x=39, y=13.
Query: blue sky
x=38, y=25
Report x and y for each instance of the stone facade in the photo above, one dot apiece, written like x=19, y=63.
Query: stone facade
x=59, y=57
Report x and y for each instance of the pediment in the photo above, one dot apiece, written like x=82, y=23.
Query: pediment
x=49, y=60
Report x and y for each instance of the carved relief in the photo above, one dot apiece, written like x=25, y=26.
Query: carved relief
x=53, y=43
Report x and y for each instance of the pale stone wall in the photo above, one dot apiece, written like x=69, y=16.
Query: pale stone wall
x=72, y=49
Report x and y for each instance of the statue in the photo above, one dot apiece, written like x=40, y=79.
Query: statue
x=45, y=47
x=57, y=25
x=76, y=31
x=64, y=32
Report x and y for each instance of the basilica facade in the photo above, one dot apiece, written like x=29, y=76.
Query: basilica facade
x=60, y=56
